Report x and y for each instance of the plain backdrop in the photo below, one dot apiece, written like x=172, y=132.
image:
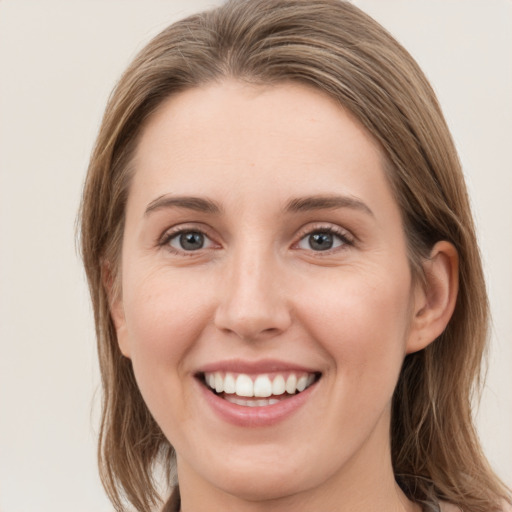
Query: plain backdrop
x=58, y=63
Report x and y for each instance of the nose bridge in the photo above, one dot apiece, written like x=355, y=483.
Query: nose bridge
x=253, y=302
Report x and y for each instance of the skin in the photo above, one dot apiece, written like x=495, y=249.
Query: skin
x=258, y=289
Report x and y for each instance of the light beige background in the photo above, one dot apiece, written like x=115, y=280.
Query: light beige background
x=58, y=62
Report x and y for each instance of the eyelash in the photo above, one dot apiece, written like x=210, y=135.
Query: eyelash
x=344, y=237
x=168, y=236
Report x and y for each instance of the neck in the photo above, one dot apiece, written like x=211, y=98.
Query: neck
x=391, y=501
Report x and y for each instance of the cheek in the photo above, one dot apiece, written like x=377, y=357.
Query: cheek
x=164, y=312
x=362, y=324
x=164, y=318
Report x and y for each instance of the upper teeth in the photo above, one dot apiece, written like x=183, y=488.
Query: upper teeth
x=261, y=386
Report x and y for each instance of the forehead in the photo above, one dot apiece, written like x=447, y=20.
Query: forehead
x=240, y=137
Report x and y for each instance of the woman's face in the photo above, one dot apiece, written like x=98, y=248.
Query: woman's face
x=263, y=253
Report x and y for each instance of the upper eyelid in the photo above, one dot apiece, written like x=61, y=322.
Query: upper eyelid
x=328, y=227
x=173, y=231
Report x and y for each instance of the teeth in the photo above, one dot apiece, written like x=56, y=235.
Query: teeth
x=301, y=383
x=229, y=383
x=263, y=386
x=251, y=403
x=219, y=383
x=291, y=384
x=244, y=386
x=278, y=385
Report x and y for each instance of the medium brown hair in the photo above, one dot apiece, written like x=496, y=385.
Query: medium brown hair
x=332, y=46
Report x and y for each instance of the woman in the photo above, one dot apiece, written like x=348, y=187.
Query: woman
x=289, y=300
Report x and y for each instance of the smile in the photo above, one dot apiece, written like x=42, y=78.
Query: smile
x=259, y=390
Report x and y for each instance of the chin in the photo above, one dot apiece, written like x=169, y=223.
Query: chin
x=257, y=478
x=264, y=485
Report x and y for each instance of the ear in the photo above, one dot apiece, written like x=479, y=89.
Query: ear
x=116, y=307
x=435, y=298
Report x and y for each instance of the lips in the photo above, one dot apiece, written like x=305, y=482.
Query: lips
x=251, y=394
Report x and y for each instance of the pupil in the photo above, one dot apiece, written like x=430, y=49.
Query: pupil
x=321, y=241
x=191, y=241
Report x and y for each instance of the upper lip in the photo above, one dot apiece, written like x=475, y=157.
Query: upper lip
x=254, y=367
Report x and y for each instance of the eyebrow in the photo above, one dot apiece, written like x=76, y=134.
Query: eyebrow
x=300, y=204
x=197, y=204
x=309, y=203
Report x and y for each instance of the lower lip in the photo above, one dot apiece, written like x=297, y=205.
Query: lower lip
x=264, y=416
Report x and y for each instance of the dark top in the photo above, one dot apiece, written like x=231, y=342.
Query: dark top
x=174, y=504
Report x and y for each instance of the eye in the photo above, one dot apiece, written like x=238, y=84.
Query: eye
x=188, y=241
x=323, y=240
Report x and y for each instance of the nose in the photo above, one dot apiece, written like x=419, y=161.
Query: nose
x=252, y=298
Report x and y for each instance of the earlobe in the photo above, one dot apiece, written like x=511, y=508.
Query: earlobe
x=435, y=298
x=118, y=317
x=116, y=307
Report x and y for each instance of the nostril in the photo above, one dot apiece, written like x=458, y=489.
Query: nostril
x=252, y=326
